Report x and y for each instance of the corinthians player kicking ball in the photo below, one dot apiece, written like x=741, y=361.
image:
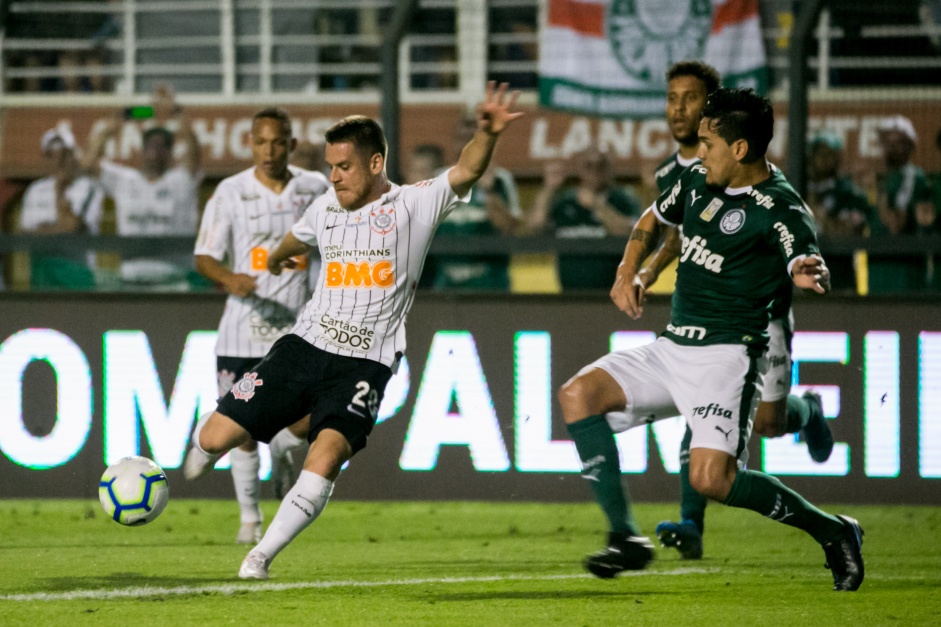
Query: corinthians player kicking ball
x=373, y=236
x=743, y=228
x=246, y=218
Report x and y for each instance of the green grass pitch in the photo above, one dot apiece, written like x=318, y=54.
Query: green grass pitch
x=450, y=563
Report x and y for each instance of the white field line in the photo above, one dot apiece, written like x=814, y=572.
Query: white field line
x=246, y=587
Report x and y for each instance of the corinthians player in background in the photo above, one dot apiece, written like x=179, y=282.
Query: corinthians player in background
x=373, y=236
x=244, y=221
x=743, y=228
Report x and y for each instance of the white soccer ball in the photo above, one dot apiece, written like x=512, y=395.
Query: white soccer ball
x=133, y=491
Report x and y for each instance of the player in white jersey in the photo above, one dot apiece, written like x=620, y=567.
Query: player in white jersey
x=159, y=198
x=244, y=221
x=373, y=236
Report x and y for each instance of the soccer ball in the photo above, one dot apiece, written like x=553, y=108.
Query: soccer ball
x=133, y=491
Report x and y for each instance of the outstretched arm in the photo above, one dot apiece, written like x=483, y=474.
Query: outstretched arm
x=166, y=108
x=628, y=291
x=91, y=162
x=493, y=116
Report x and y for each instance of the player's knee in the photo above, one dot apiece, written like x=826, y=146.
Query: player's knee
x=218, y=436
x=709, y=483
x=210, y=443
x=573, y=396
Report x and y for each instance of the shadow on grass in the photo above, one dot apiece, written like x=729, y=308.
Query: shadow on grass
x=126, y=580
x=533, y=595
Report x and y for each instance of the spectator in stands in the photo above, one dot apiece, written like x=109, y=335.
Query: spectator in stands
x=159, y=198
x=493, y=209
x=63, y=202
x=840, y=207
x=595, y=207
x=904, y=208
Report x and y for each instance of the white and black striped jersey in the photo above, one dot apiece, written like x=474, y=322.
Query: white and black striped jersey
x=244, y=221
x=371, y=259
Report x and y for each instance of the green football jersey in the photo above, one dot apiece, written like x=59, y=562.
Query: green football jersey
x=736, y=252
x=666, y=176
x=669, y=170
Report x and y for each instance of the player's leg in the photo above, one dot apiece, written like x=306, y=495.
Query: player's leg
x=720, y=421
x=265, y=400
x=214, y=436
x=621, y=382
x=780, y=411
x=304, y=502
x=282, y=448
x=343, y=415
x=686, y=535
x=244, y=461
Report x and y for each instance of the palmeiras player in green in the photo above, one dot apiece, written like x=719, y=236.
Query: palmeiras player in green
x=743, y=227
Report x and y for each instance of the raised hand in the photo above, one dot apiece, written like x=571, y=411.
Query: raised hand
x=495, y=113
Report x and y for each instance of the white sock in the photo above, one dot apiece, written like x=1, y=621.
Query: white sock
x=245, y=467
x=300, y=507
x=283, y=442
x=197, y=430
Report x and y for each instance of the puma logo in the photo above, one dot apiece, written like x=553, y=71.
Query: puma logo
x=724, y=432
x=694, y=197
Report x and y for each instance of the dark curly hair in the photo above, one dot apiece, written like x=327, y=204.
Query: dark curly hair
x=736, y=114
x=697, y=69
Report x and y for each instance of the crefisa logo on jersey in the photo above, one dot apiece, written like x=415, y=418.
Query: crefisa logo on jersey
x=382, y=220
x=245, y=388
x=733, y=221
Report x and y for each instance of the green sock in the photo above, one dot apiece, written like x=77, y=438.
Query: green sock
x=598, y=452
x=769, y=497
x=692, y=503
x=798, y=413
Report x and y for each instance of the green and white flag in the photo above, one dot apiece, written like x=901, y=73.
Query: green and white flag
x=610, y=57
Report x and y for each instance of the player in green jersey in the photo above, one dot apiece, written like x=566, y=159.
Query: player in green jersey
x=689, y=84
x=743, y=227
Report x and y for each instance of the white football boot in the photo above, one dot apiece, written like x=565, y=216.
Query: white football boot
x=254, y=566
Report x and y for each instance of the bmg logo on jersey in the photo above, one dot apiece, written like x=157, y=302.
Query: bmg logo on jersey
x=359, y=274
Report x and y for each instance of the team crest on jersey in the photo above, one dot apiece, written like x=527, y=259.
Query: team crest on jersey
x=382, y=220
x=245, y=389
x=732, y=221
x=711, y=209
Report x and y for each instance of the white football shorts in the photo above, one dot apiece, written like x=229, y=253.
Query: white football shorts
x=717, y=389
